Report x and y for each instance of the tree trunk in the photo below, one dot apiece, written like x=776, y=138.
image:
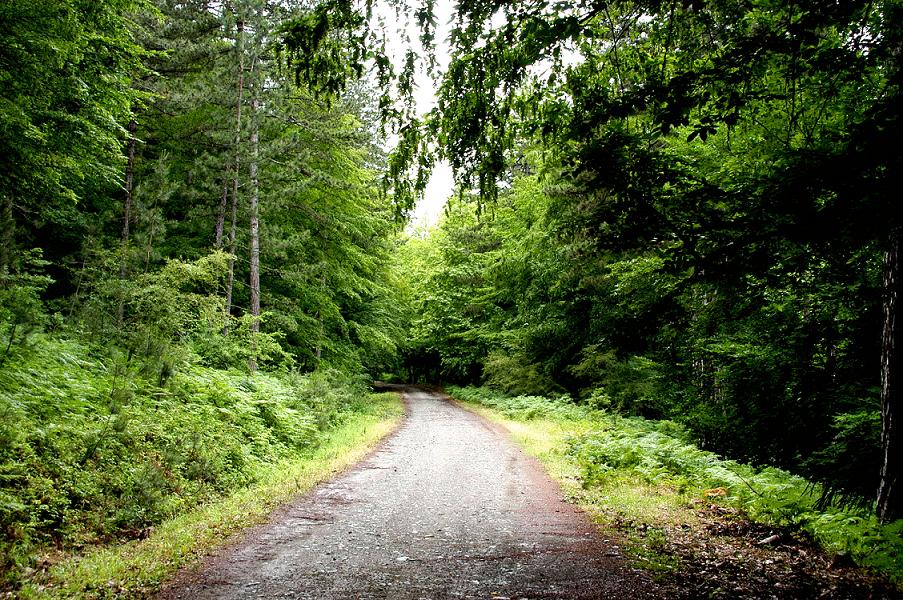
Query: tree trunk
x=255, y=234
x=221, y=213
x=889, y=499
x=7, y=236
x=230, y=278
x=318, y=352
x=127, y=204
x=319, y=349
x=127, y=212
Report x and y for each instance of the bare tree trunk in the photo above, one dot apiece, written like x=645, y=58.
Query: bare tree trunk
x=127, y=204
x=221, y=213
x=890, y=502
x=255, y=234
x=149, y=246
x=319, y=349
x=230, y=278
x=127, y=211
x=318, y=352
x=7, y=236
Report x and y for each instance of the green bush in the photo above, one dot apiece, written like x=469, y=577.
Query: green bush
x=513, y=375
x=93, y=450
x=632, y=385
x=661, y=452
x=21, y=310
x=520, y=407
x=768, y=494
x=847, y=466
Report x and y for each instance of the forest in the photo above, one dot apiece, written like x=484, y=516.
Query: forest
x=681, y=210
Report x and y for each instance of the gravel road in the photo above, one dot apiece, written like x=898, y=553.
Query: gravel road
x=447, y=507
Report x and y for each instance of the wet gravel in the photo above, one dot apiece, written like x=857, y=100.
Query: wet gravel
x=447, y=507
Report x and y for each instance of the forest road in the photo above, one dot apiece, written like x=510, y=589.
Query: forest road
x=447, y=507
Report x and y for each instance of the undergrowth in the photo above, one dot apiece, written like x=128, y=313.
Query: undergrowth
x=92, y=451
x=137, y=568
x=607, y=448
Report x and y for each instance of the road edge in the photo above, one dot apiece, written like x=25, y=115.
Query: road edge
x=140, y=569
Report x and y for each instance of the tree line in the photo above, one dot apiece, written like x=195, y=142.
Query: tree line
x=196, y=267
x=675, y=208
x=137, y=133
x=694, y=215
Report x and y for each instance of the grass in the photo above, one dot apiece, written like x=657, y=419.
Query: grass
x=647, y=478
x=623, y=499
x=137, y=568
x=97, y=450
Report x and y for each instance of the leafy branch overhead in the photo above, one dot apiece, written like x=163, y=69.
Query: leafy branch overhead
x=564, y=70
x=740, y=144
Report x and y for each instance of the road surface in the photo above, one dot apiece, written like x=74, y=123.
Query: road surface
x=447, y=507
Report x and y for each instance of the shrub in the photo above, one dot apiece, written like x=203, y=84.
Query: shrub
x=91, y=449
x=520, y=407
x=611, y=446
x=511, y=375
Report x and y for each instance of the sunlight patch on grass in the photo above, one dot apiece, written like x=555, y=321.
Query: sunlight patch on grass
x=624, y=498
x=136, y=569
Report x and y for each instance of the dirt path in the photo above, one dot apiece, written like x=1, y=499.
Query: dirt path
x=448, y=507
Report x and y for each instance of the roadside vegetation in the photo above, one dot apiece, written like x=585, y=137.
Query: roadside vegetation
x=111, y=481
x=680, y=211
x=683, y=210
x=136, y=568
x=648, y=478
x=196, y=286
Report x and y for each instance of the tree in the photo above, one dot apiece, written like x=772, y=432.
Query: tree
x=236, y=171
x=622, y=94
x=59, y=145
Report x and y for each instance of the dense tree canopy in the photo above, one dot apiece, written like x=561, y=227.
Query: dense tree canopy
x=157, y=129
x=680, y=209
x=719, y=228
x=175, y=215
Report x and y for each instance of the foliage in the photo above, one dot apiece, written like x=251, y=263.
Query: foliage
x=21, y=309
x=846, y=462
x=606, y=446
x=135, y=135
x=520, y=407
x=139, y=568
x=536, y=295
x=326, y=232
x=92, y=451
x=66, y=78
x=510, y=375
x=714, y=183
x=674, y=210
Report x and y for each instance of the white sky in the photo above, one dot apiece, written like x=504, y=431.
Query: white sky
x=438, y=190
x=441, y=184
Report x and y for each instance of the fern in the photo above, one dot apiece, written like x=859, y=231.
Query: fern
x=610, y=446
x=90, y=449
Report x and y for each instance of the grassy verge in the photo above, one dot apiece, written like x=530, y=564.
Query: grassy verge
x=647, y=478
x=623, y=499
x=136, y=569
